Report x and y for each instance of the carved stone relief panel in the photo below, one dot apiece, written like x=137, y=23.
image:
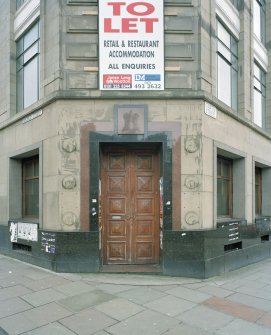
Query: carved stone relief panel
x=192, y=182
x=69, y=182
x=191, y=218
x=191, y=144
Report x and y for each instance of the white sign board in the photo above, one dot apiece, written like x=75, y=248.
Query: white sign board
x=131, y=40
x=28, y=231
x=23, y=231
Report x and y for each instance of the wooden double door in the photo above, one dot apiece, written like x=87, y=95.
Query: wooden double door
x=130, y=205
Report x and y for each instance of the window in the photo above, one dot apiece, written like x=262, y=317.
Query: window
x=258, y=191
x=224, y=187
x=30, y=187
x=259, y=19
x=27, y=61
x=259, y=96
x=226, y=67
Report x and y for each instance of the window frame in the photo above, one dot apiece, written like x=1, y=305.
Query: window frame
x=259, y=86
x=32, y=54
x=229, y=163
x=33, y=160
x=230, y=58
x=262, y=7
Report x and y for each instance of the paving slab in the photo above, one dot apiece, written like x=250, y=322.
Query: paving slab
x=51, y=329
x=74, y=288
x=205, y=318
x=251, y=301
x=195, y=286
x=37, y=273
x=215, y=291
x=265, y=320
x=13, y=291
x=87, y=322
x=85, y=300
x=43, y=297
x=141, y=295
x=119, y=309
x=235, y=309
x=15, y=279
x=13, y=306
x=255, y=292
x=170, y=306
x=241, y=327
x=41, y=284
x=146, y=322
x=113, y=288
x=164, y=288
x=188, y=294
x=186, y=330
x=32, y=319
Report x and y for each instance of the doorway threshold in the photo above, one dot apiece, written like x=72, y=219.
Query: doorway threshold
x=138, y=268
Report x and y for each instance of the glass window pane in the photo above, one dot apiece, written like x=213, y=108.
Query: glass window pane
x=31, y=52
x=36, y=168
x=31, y=36
x=259, y=19
x=257, y=71
x=31, y=82
x=258, y=108
x=218, y=167
x=223, y=35
x=28, y=168
x=224, y=51
x=234, y=89
x=225, y=169
x=222, y=197
x=257, y=85
x=224, y=81
x=32, y=197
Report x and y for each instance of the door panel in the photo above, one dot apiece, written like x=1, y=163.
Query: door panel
x=130, y=205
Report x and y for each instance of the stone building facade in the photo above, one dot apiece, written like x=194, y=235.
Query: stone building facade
x=189, y=195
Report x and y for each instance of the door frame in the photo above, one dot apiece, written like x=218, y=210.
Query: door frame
x=154, y=148
x=93, y=135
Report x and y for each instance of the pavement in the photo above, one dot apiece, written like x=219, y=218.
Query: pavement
x=35, y=301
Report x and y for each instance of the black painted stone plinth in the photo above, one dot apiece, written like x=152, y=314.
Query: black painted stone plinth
x=193, y=253
x=73, y=252
x=207, y=253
